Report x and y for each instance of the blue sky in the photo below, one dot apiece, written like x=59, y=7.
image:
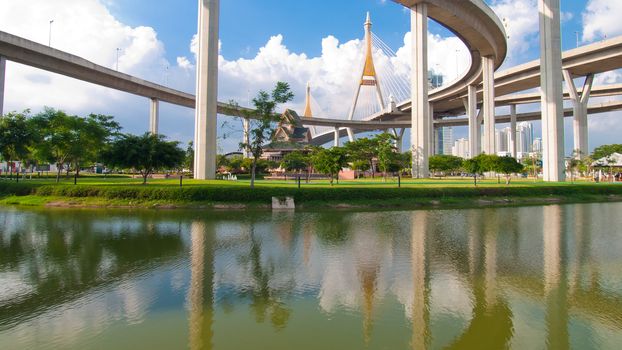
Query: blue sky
x=318, y=42
x=303, y=23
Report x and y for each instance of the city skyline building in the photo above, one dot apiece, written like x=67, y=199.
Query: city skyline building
x=460, y=148
x=443, y=140
x=524, y=139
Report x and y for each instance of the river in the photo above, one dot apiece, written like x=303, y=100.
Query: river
x=516, y=277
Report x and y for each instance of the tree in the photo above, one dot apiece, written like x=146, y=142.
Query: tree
x=360, y=165
x=388, y=158
x=262, y=127
x=296, y=161
x=91, y=137
x=189, y=159
x=574, y=164
x=474, y=166
x=606, y=150
x=56, y=138
x=488, y=162
x=445, y=163
x=146, y=154
x=223, y=162
x=261, y=165
x=236, y=164
x=362, y=150
x=16, y=137
x=508, y=166
x=66, y=140
x=330, y=162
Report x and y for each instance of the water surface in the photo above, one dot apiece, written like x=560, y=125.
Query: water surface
x=521, y=278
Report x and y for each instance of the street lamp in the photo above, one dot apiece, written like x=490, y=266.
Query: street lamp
x=118, y=50
x=50, y=33
x=577, y=34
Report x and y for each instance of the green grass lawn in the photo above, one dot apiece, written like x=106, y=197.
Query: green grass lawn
x=367, y=183
x=127, y=191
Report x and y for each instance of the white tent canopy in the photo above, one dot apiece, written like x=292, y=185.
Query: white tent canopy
x=614, y=160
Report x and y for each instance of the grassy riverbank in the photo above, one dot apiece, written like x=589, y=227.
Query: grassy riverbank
x=127, y=192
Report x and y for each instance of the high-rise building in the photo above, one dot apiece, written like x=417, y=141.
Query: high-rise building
x=524, y=139
x=537, y=145
x=461, y=148
x=435, y=80
x=501, y=140
x=443, y=140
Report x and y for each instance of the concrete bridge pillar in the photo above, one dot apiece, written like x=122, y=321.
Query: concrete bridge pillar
x=420, y=117
x=154, y=116
x=488, y=106
x=399, y=139
x=2, y=79
x=207, y=91
x=552, y=94
x=433, y=131
x=512, y=145
x=475, y=125
x=350, y=135
x=579, y=105
x=336, y=143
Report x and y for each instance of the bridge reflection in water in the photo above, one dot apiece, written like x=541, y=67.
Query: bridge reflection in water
x=533, y=277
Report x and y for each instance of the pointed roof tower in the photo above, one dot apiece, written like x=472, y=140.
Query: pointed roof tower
x=308, y=112
x=370, y=69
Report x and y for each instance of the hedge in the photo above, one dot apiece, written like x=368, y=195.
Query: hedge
x=264, y=194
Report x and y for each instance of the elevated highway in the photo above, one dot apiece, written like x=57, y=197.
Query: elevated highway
x=30, y=53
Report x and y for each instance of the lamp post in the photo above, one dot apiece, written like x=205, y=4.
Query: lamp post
x=577, y=34
x=50, y=33
x=118, y=50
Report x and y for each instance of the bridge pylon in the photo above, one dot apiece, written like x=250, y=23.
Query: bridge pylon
x=369, y=76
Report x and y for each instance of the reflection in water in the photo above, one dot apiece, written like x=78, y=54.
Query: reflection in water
x=201, y=291
x=555, y=288
x=421, y=312
x=482, y=279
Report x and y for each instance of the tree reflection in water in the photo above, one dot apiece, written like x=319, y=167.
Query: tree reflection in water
x=64, y=255
x=413, y=273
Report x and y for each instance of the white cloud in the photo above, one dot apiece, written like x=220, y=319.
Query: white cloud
x=520, y=18
x=184, y=63
x=602, y=19
x=87, y=29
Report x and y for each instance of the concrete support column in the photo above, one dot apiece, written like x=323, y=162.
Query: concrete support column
x=579, y=105
x=512, y=145
x=207, y=91
x=433, y=131
x=2, y=79
x=434, y=140
x=475, y=127
x=419, y=89
x=399, y=139
x=336, y=144
x=350, y=134
x=246, y=126
x=488, y=106
x=154, y=116
x=551, y=89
